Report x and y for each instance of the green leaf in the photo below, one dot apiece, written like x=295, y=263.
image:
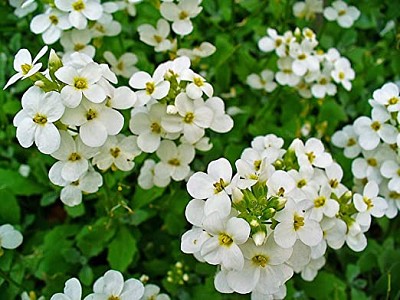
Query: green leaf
x=10, y=211
x=143, y=197
x=86, y=275
x=75, y=211
x=122, y=250
x=19, y=185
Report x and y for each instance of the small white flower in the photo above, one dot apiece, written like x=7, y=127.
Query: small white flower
x=124, y=66
x=388, y=96
x=51, y=24
x=342, y=13
x=117, y=152
x=174, y=160
x=23, y=7
x=226, y=236
x=80, y=11
x=156, y=37
x=323, y=86
x=391, y=170
x=323, y=204
x=273, y=42
x=308, y=9
x=112, y=286
x=221, y=122
x=25, y=66
x=150, y=87
x=264, y=81
x=35, y=121
x=198, y=86
x=285, y=75
x=311, y=153
x=149, y=178
x=72, y=291
x=77, y=41
x=347, y=139
x=81, y=83
x=10, y=238
x=180, y=14
x=152, y=292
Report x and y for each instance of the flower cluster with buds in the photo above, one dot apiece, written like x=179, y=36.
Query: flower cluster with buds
x=174, y=104
x=274, y=217
x=311, y=71
x=111, y=286
x=374, y=144
x=180, y=14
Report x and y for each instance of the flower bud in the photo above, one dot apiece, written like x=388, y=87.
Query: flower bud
x=269, y=213
x=237, y=195
x=259, y=238
x=346, y=197
x=171, y=109
x=54, y=61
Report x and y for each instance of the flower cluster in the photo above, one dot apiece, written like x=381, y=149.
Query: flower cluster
x=374, y=144
x=275, y=216
x=10, y=238
x=339, y=11
x=73, y=113
x=310, y=71
x=111, y=286
x=174, y=103
x=180, y=14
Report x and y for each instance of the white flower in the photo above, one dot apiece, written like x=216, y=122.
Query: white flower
x=10, y=238
x=152, y=292
x=334, y=232
x=312, y=153
x=81, y=83
x=147, y=124
x=391, y=170
x=311, y=270
x=369, y=204
x=285, y=75
x=347, y=139
x=77, y=41
x=174, y=160
x=25, y=66
x=96, y=121
x=124, y=66
x=192, y=118
x=303, y=59
x=372, y=131
x=323, y=204
x=180, y=14
x=71, y=194
x=213, y=186
x=355, y=238
x=72, y=291
x=323, y=86
x=305, y=187
x=264, y=268
x=308, y=8
x=23, y=7
x=388, y=96
x=221, y=121
x=80, y=11
x=156, y=37
x=342, y=13
x=204, y=50
x=343, y=73
x=117, y=152
x=273, y=42
x=226, y=234
x=51, y=24
x=264, y=81
x=150, y=87
x=112, y=286
x=295, y=224
x=198, y=86
x=35, y=121
x=73, y=156
x=149, y=178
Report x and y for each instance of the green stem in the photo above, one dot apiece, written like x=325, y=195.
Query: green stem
x=10, y=280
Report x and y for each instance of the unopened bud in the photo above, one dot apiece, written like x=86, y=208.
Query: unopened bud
x=254, y=223
x=259, y=238
x=54, y=61
x=281, y=202
x=237, y=195
x=39, y=83
x=269, y=213
x=171, y=109
x=346, y=197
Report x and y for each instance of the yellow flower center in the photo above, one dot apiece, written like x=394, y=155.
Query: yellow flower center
x=157, y=38
x=78, y=5
x=369, y=203
x=183, y=15
x=342, y=75
x=301, y=183
x=278, y=42
x=79, y=47
x=189, y=117
x=155, y=127
x=225, y=240
x=393, y=100
x=351, y=142
x=260, y=260
x=174, y=162
x=115, y=152
x=372, y=162
x=113, y=298
x=120, y=66
x=80, y=83
x=302, y=56
x=26, y=68
x=91, y=114
x=198, y=81
x=323, y=81
x=376, y=125
x=74, y=156
x=219, y=186
x=319, y=201
x=334, y=183
x=311, y=157
x=341, y=12
x=40, y=119
x=53, y=19
x=298, y=222
x=257, y=165
x=150, y=87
